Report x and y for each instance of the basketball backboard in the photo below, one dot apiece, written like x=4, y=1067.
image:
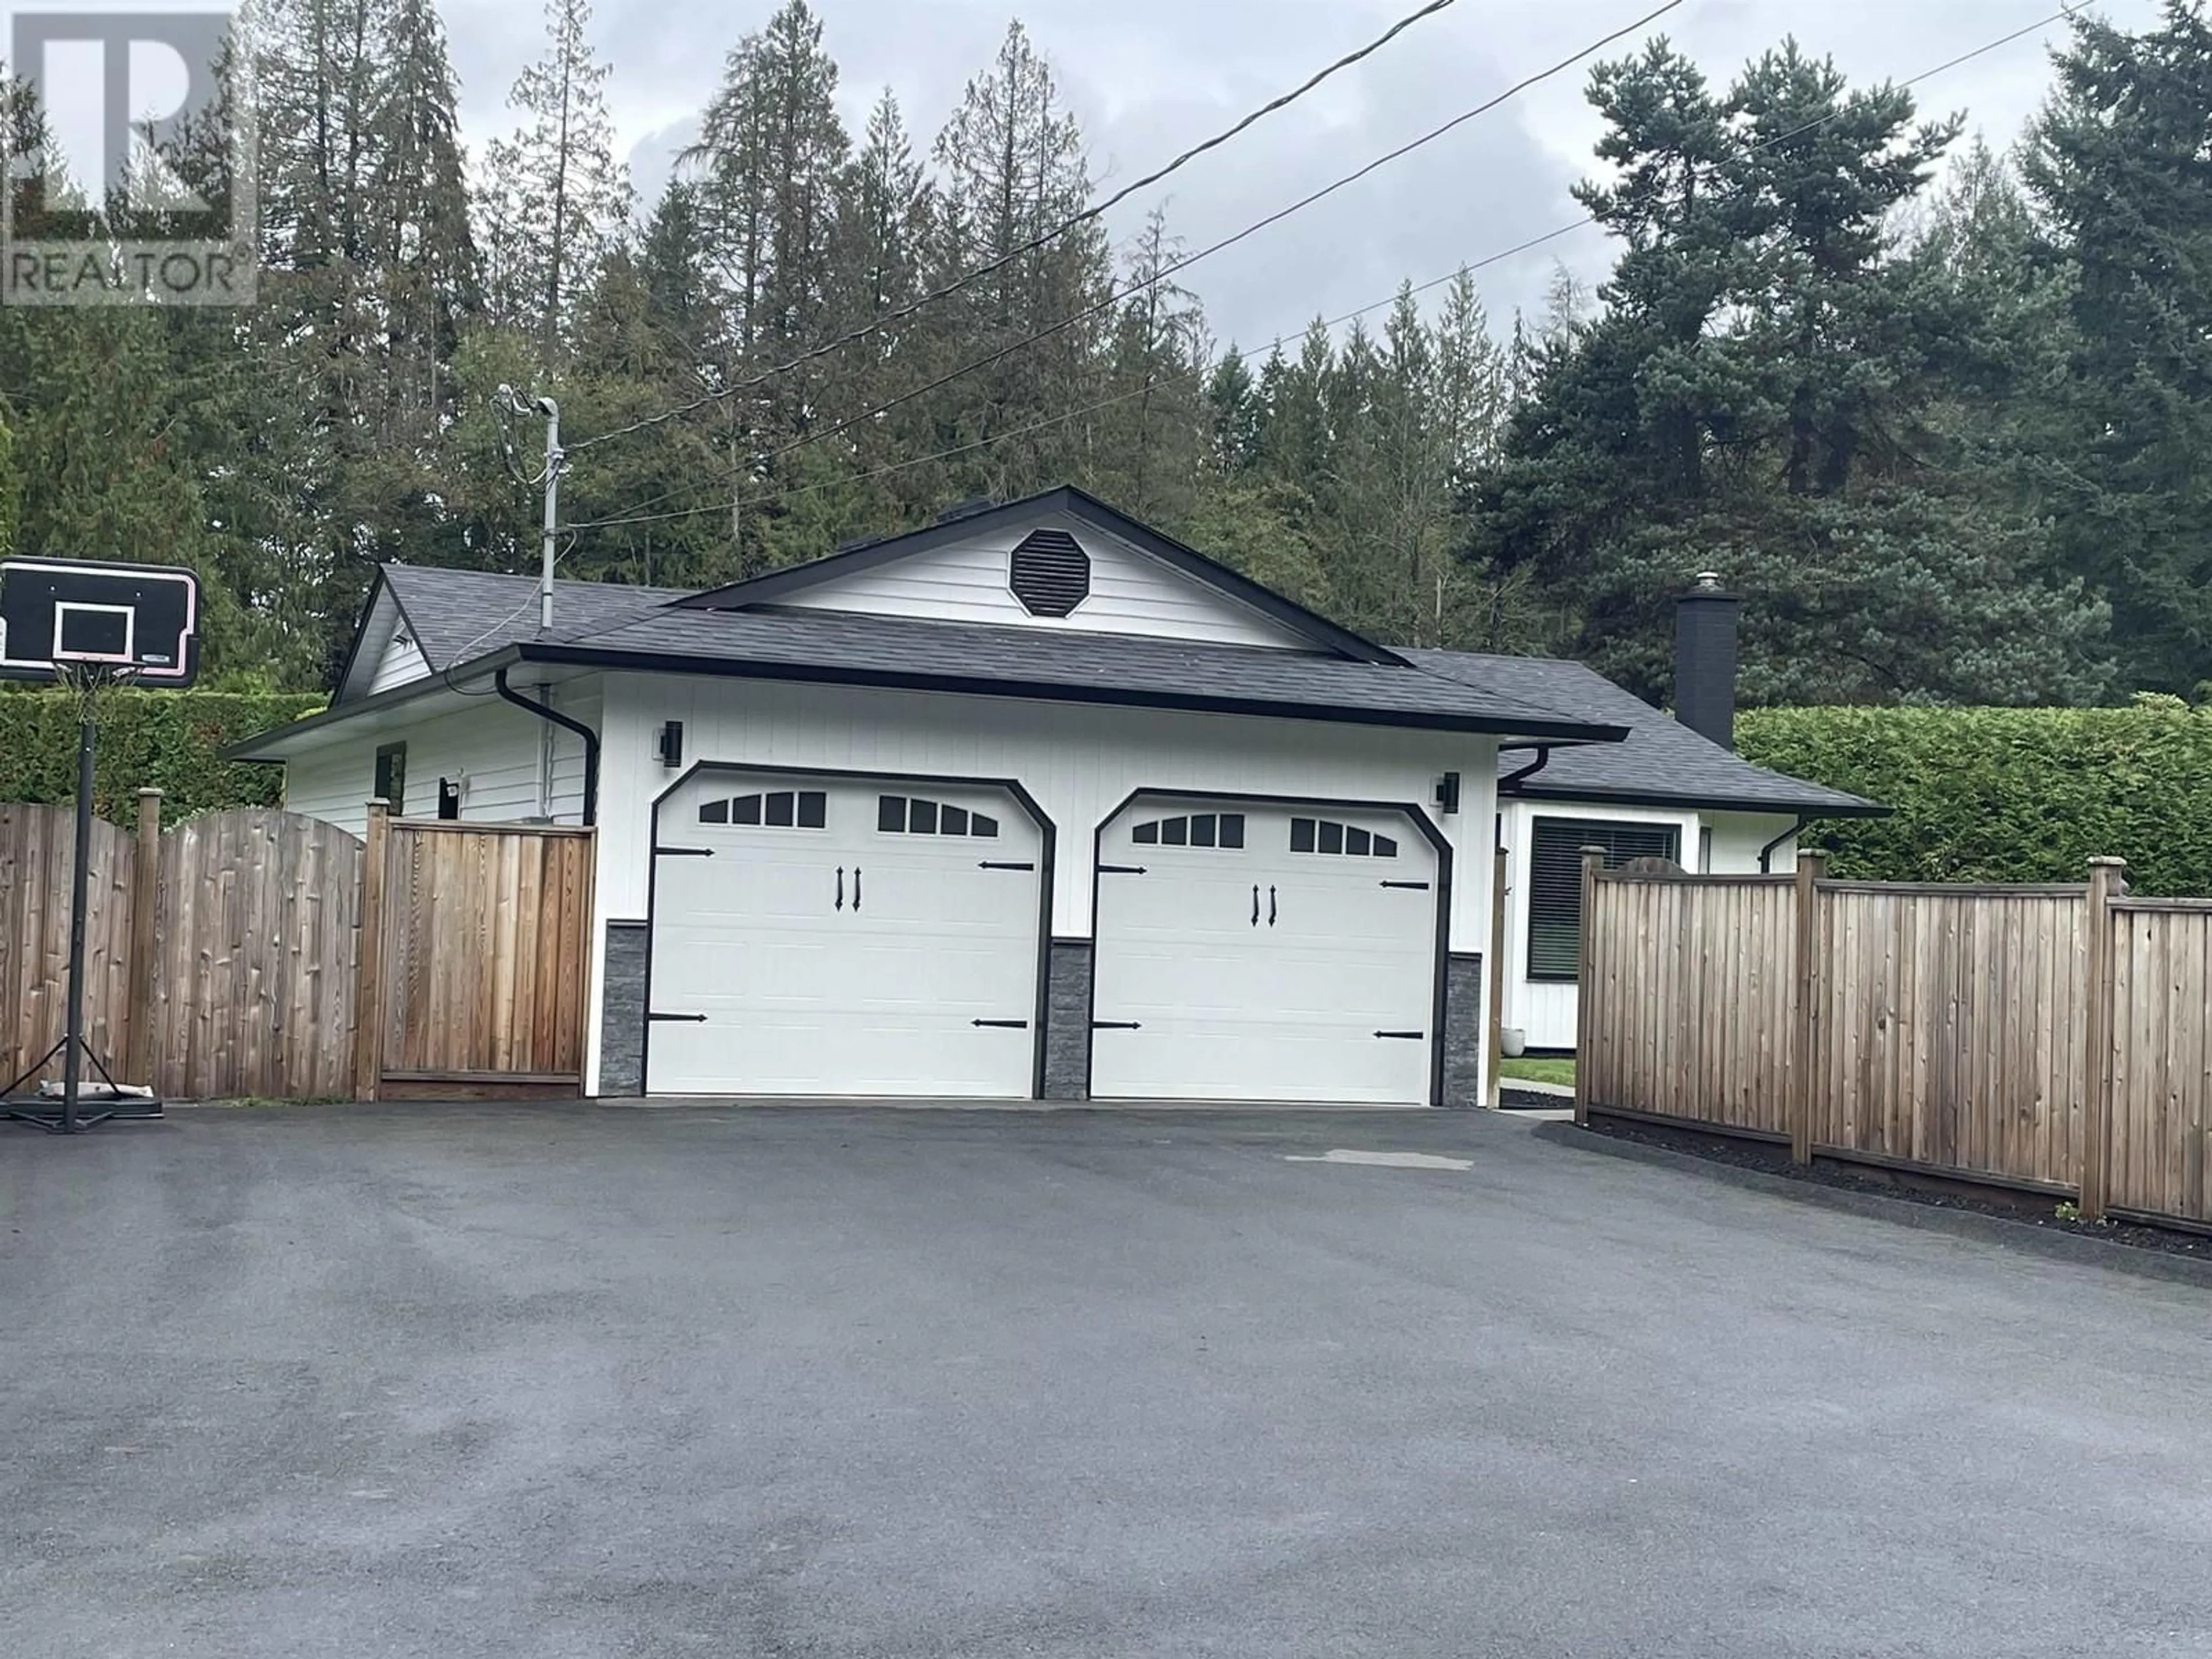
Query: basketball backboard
x=138, y=623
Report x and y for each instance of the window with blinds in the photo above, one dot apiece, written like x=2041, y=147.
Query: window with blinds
x=1555, y=882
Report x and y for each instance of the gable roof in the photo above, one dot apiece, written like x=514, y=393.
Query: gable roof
x=472, y=624
x=1070, y=502
x=454, y=616
x=993, y=659
x=1662, y=764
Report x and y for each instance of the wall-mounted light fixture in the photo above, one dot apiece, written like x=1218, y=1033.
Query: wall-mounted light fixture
x=1448, y=793
x=672, y=744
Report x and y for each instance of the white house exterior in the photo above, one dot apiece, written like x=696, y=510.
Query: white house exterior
x=1667, y=791
x=1034, y=804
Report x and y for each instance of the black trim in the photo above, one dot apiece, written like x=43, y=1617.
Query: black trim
x=1048, y=836
x=1597, y=796
x=655, y=662
x=683, y=852
x=591, y=741
x=1072, y=502
x=1334, y=714
x=1423, y=825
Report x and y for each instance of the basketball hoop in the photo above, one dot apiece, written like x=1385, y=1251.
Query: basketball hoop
x=87, y=626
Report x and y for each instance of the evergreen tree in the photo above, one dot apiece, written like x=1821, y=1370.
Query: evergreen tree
x=2119, y=168
x=555, y=201
x=1012, y=169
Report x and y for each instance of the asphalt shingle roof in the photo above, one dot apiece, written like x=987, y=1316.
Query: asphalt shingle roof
x=1662, y=761
x=456, y=615
x=1039, y=662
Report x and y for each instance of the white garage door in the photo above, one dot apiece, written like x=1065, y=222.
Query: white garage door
x=817, y=936
x=1261, y=953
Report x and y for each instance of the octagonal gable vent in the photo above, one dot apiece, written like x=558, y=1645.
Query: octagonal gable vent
x=1049, y=573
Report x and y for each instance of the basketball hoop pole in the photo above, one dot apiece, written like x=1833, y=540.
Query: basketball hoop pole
x=88, y=737
x=73, y=1048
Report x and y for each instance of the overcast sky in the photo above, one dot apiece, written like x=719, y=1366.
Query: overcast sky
x=1148, y=77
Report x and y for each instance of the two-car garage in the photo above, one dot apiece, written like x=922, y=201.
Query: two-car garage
x=819, y=934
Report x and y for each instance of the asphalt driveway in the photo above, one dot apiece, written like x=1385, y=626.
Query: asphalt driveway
x=440, y=1381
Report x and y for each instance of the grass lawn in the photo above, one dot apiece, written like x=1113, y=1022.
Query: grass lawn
x=1561, y=1071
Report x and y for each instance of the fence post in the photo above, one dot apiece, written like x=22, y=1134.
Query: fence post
x=145, y=909
x=368, y=982
x=1586, y=981
x=1812, y=869
x=1494, y=975
x=2104, y=882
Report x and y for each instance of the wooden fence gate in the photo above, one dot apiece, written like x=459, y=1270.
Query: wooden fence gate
x=257, y=953
x=476, y=986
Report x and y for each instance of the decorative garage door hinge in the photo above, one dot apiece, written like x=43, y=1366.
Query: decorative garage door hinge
x=1402, y=1036
x=1004, y=1024
x=989, y=865
x=683, y=852
x=1122, y=870
x=1409, y=887
x=677, y=1019
x=1116, y=1025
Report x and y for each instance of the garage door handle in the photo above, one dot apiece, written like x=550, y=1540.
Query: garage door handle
x=856, y=890
x=1256, y=904
x=841, y=887
x=1271, y=907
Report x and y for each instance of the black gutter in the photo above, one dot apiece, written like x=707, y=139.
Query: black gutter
x=591, y=742
x=1581, y=794
x=1543, y=759
x=656, y=662
x=1766, y=853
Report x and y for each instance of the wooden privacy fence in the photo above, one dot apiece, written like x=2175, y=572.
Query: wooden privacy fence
x=2050, y=1038
x=259, y=953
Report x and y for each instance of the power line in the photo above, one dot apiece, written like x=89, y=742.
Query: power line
x=1184, y=264
x=1089, y=214
x=637, y=516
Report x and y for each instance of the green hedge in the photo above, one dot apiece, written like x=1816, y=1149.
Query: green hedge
x=2007, y=794
x=167, y=740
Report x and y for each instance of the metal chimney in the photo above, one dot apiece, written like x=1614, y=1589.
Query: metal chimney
x=1705, y=660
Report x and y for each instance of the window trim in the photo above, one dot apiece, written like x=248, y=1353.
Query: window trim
x=388, y=778
x=1547, y=889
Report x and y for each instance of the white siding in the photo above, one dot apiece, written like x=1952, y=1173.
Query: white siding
x=1080, y=762
x=1130, y=591
x=1738, y=837
x=1544, y=1011
x=497, y=749
x=402, y=662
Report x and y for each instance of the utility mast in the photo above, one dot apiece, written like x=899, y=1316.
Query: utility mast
x=515, y=403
